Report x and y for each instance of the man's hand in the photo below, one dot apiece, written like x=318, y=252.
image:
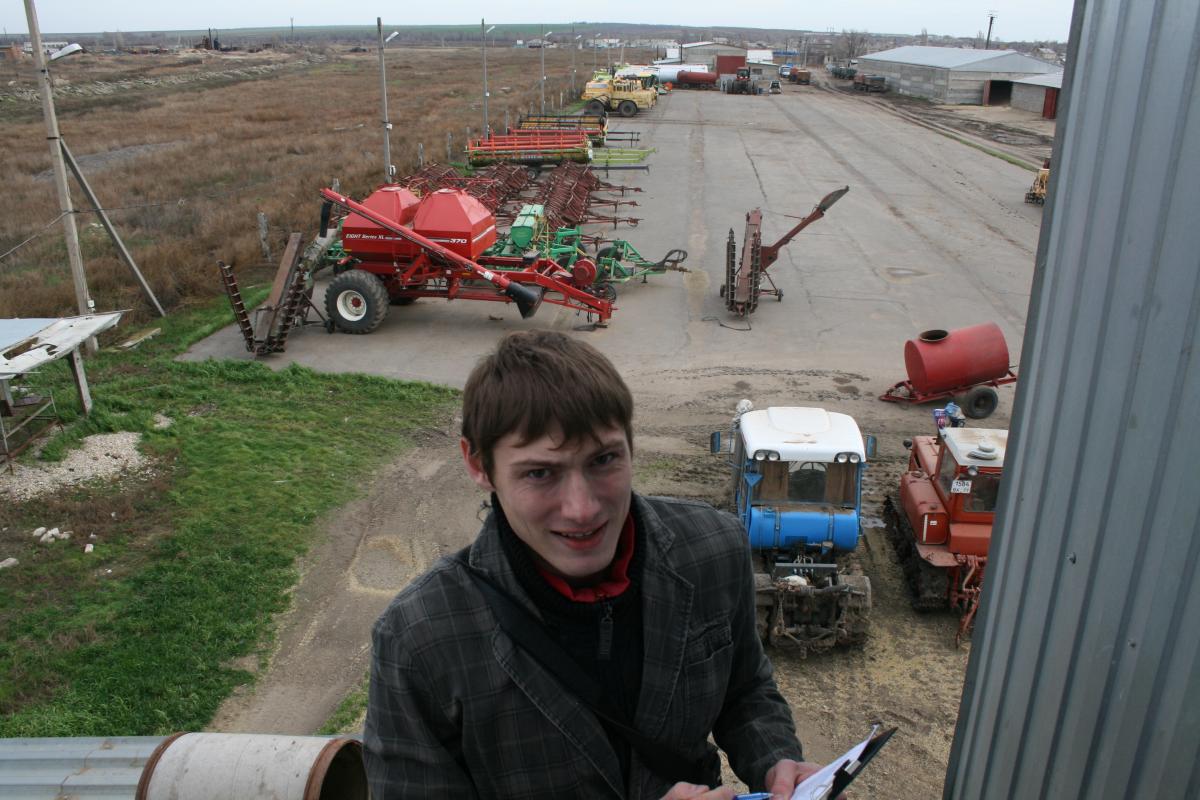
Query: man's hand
x=787, y=774
x=693, y=791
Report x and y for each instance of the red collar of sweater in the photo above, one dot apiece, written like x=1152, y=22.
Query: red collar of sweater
x=613, y=585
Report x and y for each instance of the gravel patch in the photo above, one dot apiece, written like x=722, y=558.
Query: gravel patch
x=107, y=455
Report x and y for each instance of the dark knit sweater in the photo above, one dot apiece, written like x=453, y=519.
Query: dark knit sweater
x=579, y=627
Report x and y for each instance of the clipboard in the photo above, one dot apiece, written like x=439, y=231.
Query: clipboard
x=829, y=781
x=850, y=770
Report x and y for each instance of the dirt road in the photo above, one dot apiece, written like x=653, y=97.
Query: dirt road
x=933, y=234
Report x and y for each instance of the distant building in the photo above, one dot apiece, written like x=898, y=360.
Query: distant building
x=953, y=74
x=1038, y=94
x=707, y=52
x=761, y=56
x=47, y=47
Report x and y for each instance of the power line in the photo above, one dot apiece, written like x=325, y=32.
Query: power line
x=31, y=238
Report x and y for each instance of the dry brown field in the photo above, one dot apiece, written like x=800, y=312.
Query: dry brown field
x=185, y=150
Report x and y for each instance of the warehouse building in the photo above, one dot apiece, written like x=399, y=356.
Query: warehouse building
x=707, y=52
x=1038, y=94
x=953, y=74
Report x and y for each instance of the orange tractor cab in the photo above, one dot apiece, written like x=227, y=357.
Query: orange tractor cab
x=943, y=526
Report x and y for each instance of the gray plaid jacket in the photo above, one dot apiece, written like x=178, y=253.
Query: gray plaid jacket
x=457, y=711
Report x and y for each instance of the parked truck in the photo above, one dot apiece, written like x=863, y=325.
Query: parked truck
x=797, y=490
x=626, y=97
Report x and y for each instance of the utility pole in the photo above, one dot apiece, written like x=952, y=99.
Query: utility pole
x=83, y=301
x=483, y=45
x=987, y=45
x=388, y=169
x=574, y=47
x=542, y=50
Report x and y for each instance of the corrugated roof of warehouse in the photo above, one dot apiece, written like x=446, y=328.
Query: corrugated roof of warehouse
x=1051, y=79
x=962, y=58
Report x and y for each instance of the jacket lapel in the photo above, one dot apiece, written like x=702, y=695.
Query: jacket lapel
x=578, y=725
x=666, y=619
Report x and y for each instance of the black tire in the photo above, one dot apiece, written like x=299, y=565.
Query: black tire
x=627, y=108
x=356, y=301
x=595, y=107
x=402, y=301
x=980, y=402
x=607, y=291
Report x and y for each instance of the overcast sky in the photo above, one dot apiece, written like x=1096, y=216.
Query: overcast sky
x=1015, y=19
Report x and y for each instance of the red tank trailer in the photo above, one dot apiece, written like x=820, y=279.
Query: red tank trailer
x=967, y=363
x=688, y=78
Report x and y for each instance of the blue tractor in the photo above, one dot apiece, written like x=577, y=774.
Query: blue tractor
x=797, y=489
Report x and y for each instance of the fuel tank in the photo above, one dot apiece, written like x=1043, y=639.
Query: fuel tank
x=781, y=528
x=940, y=360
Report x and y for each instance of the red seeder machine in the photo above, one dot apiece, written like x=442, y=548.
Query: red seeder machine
x=406, y=248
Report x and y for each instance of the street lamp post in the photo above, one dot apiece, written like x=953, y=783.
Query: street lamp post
x=483, y=45
x=574, y=47
x=389, y=171
x=543, y=49
x=70, y=231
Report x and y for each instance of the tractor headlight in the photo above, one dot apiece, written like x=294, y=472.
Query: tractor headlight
x=772, y=456
x=854, y=459
x=760, y=455
x=842, y=458
x=972, y=471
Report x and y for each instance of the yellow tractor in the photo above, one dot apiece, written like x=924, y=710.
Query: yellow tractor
x=1037, y=192
x=625, y=97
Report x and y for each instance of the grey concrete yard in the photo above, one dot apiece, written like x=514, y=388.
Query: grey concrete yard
x=932, y=234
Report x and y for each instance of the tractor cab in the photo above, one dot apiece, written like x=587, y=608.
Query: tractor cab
x=798, y=478
x=966, y=465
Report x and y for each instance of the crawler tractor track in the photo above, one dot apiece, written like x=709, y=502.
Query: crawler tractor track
x=929, y=584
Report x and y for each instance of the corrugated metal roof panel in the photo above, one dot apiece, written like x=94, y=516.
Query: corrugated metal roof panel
x=1051, y=79
x=962, y=58
x=86, y=767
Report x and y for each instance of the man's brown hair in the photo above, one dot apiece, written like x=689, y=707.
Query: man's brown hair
x=539, y=382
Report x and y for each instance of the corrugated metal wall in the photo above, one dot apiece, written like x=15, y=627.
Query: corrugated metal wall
x=1085, y=676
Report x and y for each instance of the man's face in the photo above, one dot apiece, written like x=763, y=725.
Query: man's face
x=566, y=501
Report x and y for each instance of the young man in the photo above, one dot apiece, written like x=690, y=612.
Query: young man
x=590, y=640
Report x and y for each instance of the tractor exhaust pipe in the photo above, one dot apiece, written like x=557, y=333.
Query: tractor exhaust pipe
x=326, y=213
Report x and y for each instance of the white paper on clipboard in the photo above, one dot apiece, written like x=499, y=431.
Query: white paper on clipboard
x=818, y=785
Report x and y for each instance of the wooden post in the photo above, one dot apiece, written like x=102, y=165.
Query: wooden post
x=85, y=396
x=420, y=155
x=122, y=251
x=263, y=240
x=506, y=128
x=448, y=159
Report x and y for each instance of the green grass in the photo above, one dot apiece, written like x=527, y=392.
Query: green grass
x=190, y=564
x=349, y=714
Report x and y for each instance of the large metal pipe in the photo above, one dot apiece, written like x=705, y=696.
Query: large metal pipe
x=191, y=766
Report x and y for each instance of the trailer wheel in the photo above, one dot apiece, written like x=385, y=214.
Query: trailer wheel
x=627, y=108
x=356, y=301
x=980, y=402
